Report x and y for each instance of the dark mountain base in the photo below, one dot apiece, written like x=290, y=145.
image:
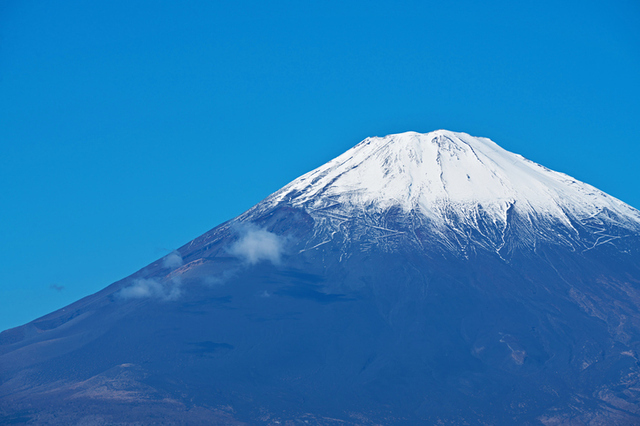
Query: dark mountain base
x=397, y=336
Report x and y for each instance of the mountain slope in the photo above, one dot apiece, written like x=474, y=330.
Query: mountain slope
x=416, y=278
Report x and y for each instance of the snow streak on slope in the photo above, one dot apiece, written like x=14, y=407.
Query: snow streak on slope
x=449, y=177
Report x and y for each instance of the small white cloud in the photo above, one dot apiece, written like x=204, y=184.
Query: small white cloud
x=256, y=244
x=172, y=261
x=151, y=288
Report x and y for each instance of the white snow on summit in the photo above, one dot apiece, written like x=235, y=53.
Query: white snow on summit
x=437, y=171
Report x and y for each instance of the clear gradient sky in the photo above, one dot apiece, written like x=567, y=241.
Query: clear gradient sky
x=128, y=128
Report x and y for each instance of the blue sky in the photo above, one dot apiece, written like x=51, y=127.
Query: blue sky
x=129, y=128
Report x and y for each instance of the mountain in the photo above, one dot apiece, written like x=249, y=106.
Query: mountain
x=416, y=279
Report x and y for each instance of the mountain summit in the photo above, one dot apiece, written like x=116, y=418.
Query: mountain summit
x=426, y=172
x=416, y=279
x=460, y=186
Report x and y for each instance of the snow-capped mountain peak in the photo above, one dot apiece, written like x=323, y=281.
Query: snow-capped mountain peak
x=444, y=173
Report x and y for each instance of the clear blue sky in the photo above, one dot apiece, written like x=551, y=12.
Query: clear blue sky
x=129, y=128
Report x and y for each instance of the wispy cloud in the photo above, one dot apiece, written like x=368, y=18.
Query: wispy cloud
x=152, y=288
x=256, y=244
x=173, y=260
x=166, y=289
